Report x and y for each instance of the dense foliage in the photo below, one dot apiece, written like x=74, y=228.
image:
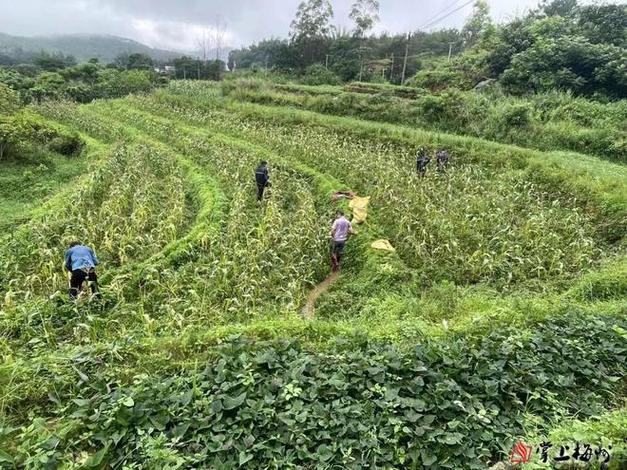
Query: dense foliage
x=581, y=49
x=453, y=404
x=349, y=55
x=82, y=83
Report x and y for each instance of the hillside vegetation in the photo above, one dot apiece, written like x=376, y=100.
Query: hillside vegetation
x=81, y=46
x=554, y=121
x=501, y=314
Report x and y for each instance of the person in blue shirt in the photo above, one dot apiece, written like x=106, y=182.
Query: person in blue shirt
x=81, y=261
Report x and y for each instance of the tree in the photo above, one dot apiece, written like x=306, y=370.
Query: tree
x=136, y=61
x=269, y=53
x=85, y=72
x=214, y=70
x=477, y=24
x=203, y=41
x=121, y=60
x=54, y=62
x=365, y=13
x=218, y=35
x=48, y=85
x=196, y=69
x=604, y=24
x=312, y=20
x=9, y=100
x=509, y=40
x=139, y=61
x=558, y=7
x=569, y=63
x=28, y=70
x=16, y=80
x=9, y=136
x=310, y=28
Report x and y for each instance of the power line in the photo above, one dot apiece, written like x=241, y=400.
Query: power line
x=434, y=22
x=440, y=12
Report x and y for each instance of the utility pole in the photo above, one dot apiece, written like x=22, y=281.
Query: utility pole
x=405, y=59
x=450, y=50
x=392, y=68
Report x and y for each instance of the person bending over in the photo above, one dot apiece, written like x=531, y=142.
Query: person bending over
x=81, y=262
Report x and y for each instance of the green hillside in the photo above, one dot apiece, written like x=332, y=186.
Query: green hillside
x=83, y=46
x=499, y=317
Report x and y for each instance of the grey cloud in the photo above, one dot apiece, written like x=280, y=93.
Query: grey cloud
x=169, y=23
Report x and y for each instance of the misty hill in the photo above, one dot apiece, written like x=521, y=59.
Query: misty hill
x=82, y=46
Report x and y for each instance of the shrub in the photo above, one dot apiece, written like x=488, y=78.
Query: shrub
x=9, y=137
x=19, y=131
x=22, y=130
x=516, y=115
x=446, y=109
x=66, y=144
x=114, y=83
x=317, y=74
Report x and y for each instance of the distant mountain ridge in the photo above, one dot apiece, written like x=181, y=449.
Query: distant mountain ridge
x=84, y=46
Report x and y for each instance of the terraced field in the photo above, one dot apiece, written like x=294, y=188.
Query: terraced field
x=499, y=317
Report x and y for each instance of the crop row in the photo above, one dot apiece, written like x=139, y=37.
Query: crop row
x=129, y=207
x=443, y=225
x=262, y=258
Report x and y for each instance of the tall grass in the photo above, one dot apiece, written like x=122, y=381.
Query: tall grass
x=545, y=122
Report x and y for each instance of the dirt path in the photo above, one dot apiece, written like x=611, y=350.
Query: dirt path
x=308, y=309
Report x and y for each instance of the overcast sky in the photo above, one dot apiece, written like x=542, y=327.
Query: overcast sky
x=175, y=24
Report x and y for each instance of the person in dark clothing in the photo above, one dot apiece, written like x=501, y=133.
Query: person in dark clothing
x=442, y=159
x=262, y=178
x=81, y=262
x=422, y=160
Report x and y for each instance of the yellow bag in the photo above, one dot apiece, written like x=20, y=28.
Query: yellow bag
x=384, y=245
x=359, y=206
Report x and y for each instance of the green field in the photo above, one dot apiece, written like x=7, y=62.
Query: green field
x=499, y=317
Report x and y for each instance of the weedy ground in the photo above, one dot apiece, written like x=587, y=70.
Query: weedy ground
x=500, y=315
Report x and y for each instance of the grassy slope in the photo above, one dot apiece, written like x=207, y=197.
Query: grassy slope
x=551, y=122
x=24, y=183
x=598, y=183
